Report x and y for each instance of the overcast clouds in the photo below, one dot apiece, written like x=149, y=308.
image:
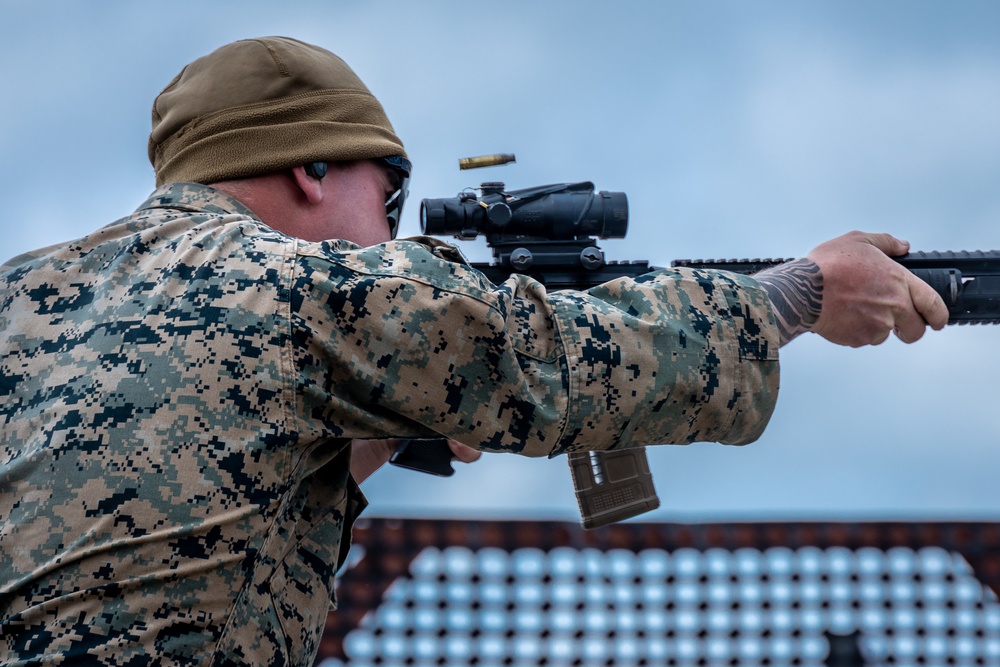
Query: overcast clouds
x=737, y=129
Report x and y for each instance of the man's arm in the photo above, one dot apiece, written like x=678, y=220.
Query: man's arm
x=850, y=292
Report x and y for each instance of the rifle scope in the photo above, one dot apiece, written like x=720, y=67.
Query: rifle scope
x=562, y=211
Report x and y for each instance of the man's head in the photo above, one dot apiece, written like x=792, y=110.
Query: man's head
x=258, y=106
x=275, y=105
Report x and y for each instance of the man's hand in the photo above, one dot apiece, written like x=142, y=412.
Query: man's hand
x=849, y=291
x=367, y=456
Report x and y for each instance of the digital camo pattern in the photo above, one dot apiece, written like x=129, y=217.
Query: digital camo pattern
x=179, y=389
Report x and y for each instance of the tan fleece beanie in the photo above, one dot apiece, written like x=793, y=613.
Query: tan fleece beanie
x=263, y=105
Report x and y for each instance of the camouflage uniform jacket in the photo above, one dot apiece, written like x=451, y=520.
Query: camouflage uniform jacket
x=178, y=391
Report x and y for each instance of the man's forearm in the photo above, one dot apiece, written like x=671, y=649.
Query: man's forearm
x=796, y=293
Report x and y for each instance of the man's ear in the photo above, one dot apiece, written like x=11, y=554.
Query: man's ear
x=312, y=188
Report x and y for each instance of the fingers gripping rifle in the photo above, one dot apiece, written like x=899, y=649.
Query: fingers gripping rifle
x=967, y=280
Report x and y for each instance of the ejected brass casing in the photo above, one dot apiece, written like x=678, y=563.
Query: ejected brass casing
x=485, y=160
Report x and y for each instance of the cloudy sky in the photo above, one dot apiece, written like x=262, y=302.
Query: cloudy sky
x=736, y=129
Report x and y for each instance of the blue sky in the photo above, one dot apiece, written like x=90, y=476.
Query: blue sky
x=737, y=129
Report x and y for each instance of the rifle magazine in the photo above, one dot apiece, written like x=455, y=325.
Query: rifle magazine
x=612, y=486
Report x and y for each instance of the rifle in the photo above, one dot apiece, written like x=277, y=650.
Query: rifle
x=548, y=232
x=967, y=280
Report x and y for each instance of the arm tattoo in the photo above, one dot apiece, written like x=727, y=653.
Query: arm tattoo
x=796, y=293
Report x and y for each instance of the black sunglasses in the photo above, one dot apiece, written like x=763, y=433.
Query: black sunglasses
x=394, y=204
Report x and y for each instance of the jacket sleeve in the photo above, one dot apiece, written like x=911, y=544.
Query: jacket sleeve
x=397, y=341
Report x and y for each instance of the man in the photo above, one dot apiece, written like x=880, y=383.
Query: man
x=180, y=390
